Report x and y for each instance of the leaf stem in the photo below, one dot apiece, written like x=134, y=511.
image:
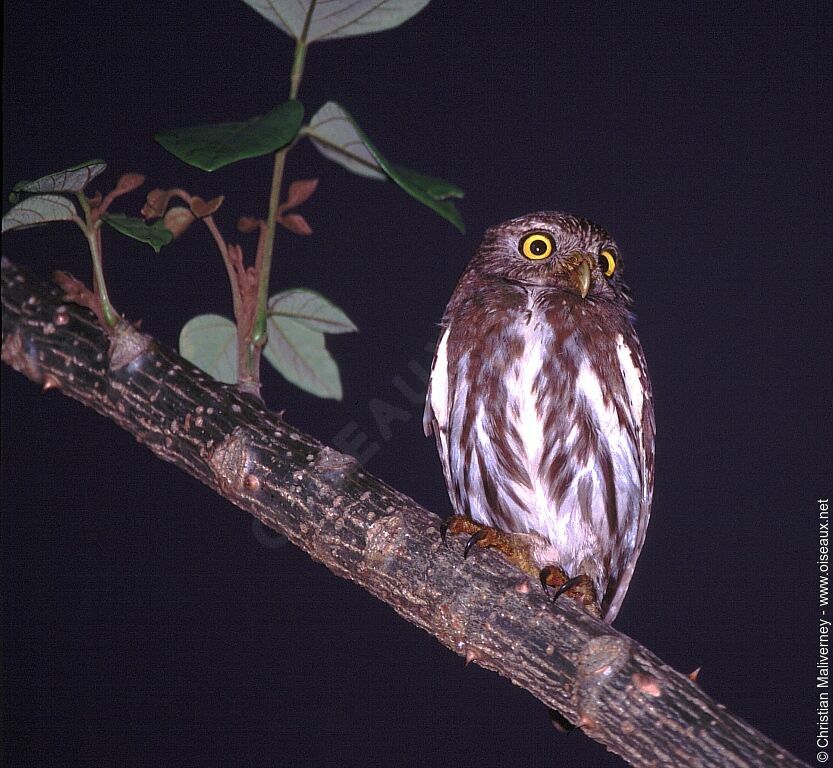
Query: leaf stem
x=268, y=245
x=300, y=53
x=297, y=68
x=232, y=273
x=93, y=232
x=266, y=248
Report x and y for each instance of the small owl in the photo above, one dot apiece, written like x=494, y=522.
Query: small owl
x=541, y=406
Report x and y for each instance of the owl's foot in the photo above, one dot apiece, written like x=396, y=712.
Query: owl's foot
x=579, y=588
x=519, y=548
x=515, y=547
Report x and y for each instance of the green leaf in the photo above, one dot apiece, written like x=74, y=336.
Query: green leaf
x=301, y=19
x=438, y=189
x=210, y=343
x=210, y=147
x=336, y=135
x=428, y=190
x=155, y=235
x=312, y=310
x=73, y=179
x=39, y=209
x=299, y=354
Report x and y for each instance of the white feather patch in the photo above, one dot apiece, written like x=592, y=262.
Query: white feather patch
x=438, y=387
x=590, y=386
x=633, y=379
x=627, y=465
x=530, y=424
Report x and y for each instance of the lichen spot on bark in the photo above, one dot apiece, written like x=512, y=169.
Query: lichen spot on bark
x=332, y=462
x=232, y=464
x=647, y=684
x=385, y=541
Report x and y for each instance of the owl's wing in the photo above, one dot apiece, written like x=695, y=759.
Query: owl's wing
x=638, y=387
x=428, y=425
x=435, y=416
x=438, y=404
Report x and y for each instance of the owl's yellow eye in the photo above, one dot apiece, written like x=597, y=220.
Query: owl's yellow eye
x=607, y=262
x=536, y=246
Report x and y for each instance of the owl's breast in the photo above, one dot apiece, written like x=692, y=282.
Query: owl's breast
x=536, y=424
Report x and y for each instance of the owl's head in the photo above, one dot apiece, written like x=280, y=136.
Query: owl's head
x=553, y=250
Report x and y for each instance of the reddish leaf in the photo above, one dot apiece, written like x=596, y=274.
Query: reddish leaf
x=128, y=182
x=200, y=208
x=299, y=192
x=178, y=219
x=235, y=253
x=248, y=224
x=296, y=223
x=249, y=283
x=78, y=293
x=247, y=279
x=155, y=204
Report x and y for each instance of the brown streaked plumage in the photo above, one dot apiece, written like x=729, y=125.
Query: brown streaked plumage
x=540, y=400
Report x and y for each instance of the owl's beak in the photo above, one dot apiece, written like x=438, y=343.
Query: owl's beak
x=580, y=276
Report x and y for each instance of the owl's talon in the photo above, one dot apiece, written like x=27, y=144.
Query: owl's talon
x=580, y=588
x=474, y=539
x=552, y=576
x=457, y=524
x=569, y=584
x=515, y=547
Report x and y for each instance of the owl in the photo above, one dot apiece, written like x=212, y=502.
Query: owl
x=541, y=406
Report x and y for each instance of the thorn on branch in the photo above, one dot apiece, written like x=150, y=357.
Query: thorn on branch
x=693, y=675
x=50, y=382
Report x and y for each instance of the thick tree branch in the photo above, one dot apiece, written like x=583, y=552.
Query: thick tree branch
x=325, y=503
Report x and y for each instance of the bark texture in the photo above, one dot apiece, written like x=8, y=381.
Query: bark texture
x=618, y=692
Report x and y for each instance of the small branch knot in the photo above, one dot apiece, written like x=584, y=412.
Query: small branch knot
x=598, y=663
x=21, y=358
x=126, y=345
x=329, y=462
x=231, y=461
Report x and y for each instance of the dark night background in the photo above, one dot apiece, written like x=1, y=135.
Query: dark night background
x=146, y=622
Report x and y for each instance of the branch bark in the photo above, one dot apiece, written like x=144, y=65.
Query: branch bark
x=618, y=692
